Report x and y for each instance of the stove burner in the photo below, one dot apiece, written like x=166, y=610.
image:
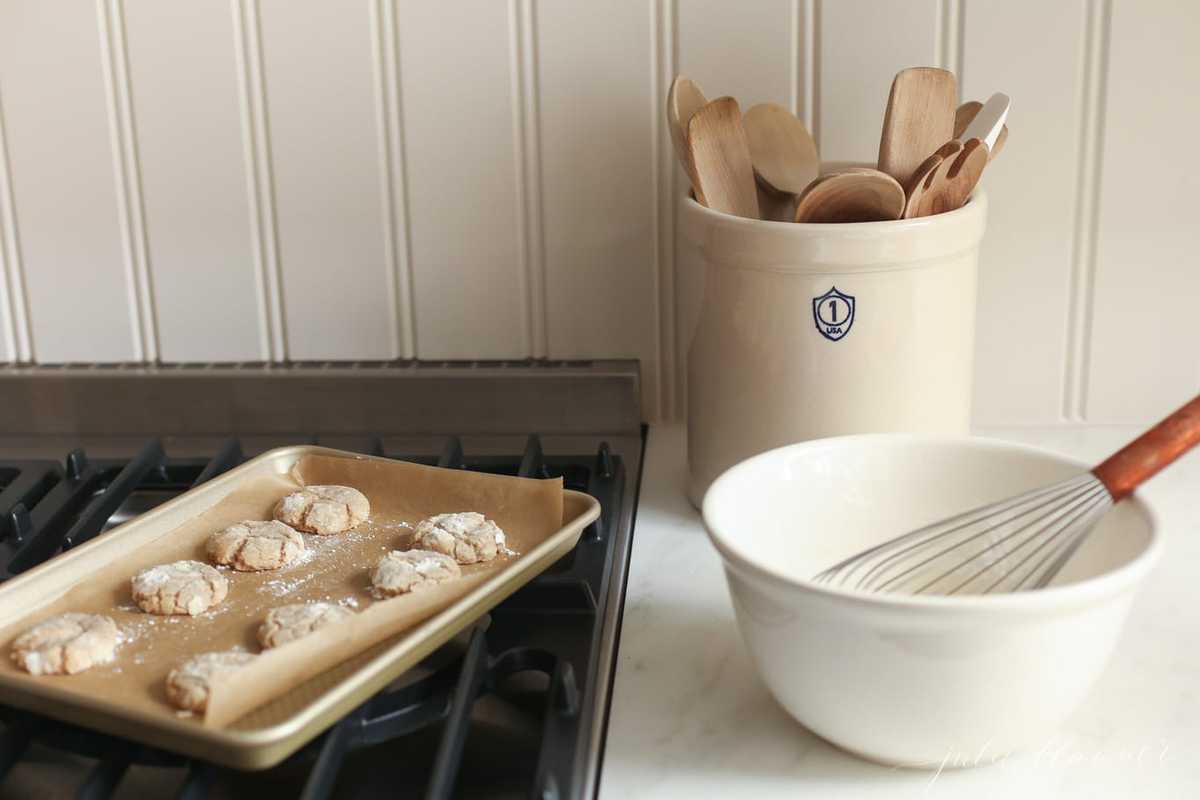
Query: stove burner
x=522, y=679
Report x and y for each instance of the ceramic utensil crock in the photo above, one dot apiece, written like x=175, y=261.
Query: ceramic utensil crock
x=813, y=330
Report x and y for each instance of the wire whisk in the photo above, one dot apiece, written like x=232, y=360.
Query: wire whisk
x=1020, y=543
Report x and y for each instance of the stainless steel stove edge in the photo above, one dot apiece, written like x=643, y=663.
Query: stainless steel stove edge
x=393, y=397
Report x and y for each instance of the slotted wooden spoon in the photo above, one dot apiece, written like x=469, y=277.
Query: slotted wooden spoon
x=720, y=159
x=946, y=179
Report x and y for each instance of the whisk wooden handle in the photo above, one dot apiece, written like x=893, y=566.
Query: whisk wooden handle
x=1125, y=469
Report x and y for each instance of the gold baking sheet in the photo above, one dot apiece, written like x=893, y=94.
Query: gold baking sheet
x=290, y=694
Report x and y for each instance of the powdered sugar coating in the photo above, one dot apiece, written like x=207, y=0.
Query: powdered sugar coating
x=403, y=571
x=189, y=684
x=288, y=623
x=183, y=587
x=256, y=545
x=467, y=536
x=324, y=509
x=66, y=644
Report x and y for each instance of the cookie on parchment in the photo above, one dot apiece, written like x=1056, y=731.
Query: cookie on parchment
x=323, y=509
x=183, y=587
x=256, y=545
x=288, y=623
x=403, y=571
x=467, y=536
x=189, y=684
x=66, y=644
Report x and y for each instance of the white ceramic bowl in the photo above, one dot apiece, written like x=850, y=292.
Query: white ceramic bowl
x=918, y=681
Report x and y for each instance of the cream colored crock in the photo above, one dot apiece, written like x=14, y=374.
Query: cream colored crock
x=806, y=331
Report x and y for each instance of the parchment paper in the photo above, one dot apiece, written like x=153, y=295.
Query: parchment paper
x=336, y=568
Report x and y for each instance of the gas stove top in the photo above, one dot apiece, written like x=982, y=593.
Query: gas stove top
x=515, y=707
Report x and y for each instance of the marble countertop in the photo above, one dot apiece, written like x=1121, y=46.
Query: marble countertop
x=690, y=718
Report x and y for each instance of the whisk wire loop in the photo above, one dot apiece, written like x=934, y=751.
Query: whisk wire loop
x=896, y=548
x=994, y=523
x=1066, y=519
x=1080, y=528
x=1039, y=530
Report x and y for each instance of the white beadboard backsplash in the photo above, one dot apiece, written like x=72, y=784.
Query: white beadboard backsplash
x=197, y=180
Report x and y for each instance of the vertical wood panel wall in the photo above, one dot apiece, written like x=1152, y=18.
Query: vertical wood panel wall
x=244, y=180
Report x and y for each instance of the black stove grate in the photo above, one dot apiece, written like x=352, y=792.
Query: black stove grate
x=548, y=630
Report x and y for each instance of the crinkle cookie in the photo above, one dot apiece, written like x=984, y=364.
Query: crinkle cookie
x=467, y=536
x=189, y=684
x=184, y=587
x=323, y=509
x=66, y=644
x=256, y=545
x=403, y=571
x=290, y=622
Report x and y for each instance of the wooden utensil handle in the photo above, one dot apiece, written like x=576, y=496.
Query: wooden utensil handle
x=1125, y=469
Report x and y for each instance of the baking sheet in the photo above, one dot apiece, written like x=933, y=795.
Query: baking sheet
x=336, y=568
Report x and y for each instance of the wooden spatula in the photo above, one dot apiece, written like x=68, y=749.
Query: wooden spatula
x=855, y=194
x=782, y=150
x=684, y=100
x=918, y=120
x=946, y=179
x=719, y=156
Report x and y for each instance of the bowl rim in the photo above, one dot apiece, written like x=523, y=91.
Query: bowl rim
x=1068, y=595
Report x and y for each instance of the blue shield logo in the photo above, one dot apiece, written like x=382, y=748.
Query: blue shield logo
x=833, y=314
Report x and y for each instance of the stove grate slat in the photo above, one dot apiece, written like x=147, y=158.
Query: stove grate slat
x=14, y=741
x=103, y=504
x=334, y=745
x=458, y=721
x=228, y=456
x=197, y=783
x=101, y=782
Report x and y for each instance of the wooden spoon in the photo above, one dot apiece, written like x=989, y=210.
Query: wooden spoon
x=965, y=115
x=683, y=101
x=919, y=118
x=856, y=194
x=946, y=179
x=781, y=148
x=720, y=159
